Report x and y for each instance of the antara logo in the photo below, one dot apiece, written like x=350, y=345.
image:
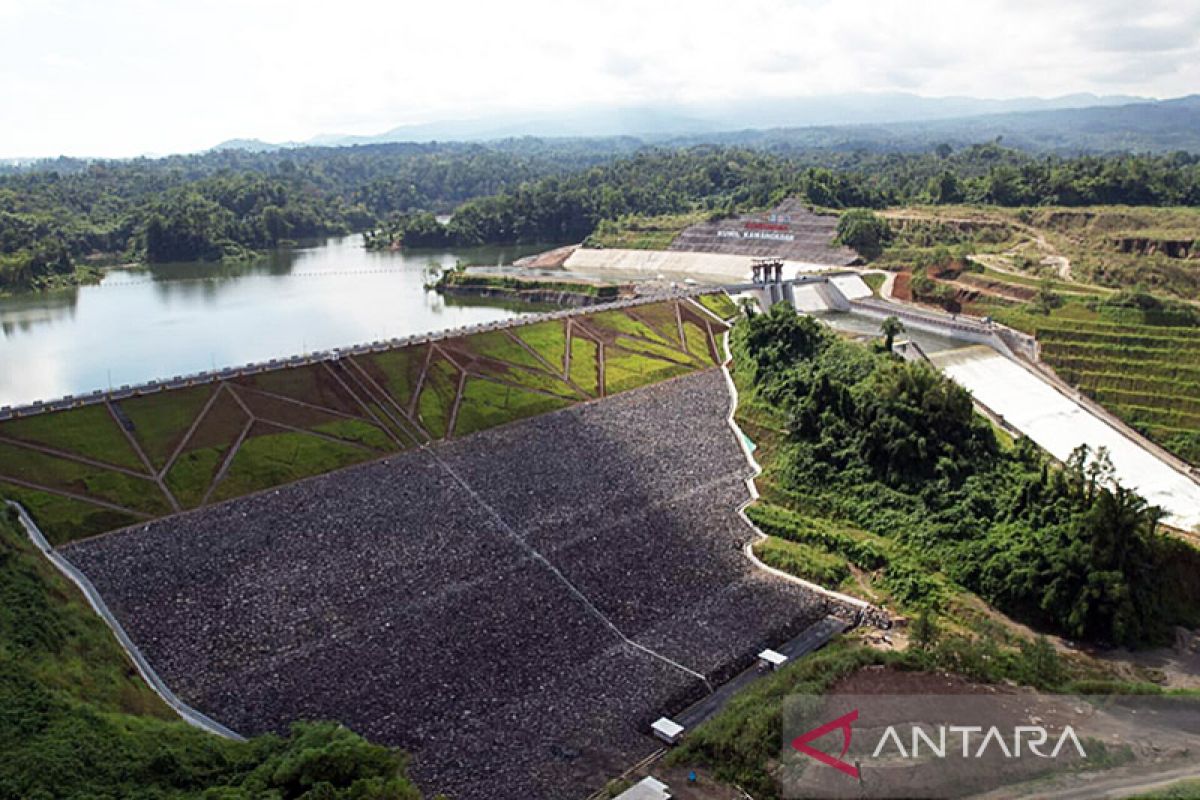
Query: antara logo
x=843, y=724
x=1025, y=738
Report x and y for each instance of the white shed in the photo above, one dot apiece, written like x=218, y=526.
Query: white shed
x=770, y=660
x=646, y=789
x=667, y=729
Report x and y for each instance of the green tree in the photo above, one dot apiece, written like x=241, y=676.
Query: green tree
x=891, y=327
x=925, y=629
x=864, y=231
x=1046, y=299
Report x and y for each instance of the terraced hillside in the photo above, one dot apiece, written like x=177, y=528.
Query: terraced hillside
x=91, y=469
x=1148, y=375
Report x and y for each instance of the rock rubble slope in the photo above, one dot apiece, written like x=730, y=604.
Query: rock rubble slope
x=514, y=607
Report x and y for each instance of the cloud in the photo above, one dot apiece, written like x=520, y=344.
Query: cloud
x=131, y=76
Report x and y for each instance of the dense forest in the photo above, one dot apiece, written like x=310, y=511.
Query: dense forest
x=58, y=215
x=896, y=448
x=62, y=214
x=723, y=180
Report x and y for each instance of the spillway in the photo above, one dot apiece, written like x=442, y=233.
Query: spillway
x=1059, y=424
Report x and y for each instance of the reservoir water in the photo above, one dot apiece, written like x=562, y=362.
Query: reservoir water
x=172, y=319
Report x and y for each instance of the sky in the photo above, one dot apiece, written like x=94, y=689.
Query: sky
x=128, y=77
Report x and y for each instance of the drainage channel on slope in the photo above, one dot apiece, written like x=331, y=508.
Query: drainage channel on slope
x=575, y=591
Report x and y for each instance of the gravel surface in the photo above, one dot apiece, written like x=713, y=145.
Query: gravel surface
x=390, y=597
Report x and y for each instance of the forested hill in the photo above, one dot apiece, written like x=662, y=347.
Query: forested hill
x=721, y=181
x=57, y=213
x=227, y=204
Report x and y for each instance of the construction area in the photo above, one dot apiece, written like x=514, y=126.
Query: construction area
x=515, y=607
x=723, y=250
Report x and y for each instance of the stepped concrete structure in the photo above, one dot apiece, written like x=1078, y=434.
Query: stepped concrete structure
x=789, y=232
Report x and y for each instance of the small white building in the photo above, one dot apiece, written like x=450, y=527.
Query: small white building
x=667, y=729
x=769, y=660
x=646, y=789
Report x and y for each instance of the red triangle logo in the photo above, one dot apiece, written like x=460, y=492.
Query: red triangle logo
x=843, y=724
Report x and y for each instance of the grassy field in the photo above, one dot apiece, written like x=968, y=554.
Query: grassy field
x=78, y=473
x=723, y=306
x=642, y=233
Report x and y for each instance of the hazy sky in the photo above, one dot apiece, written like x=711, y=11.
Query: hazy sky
x=123, y=77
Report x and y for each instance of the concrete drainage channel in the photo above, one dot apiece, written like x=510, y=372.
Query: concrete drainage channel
x=185, y=712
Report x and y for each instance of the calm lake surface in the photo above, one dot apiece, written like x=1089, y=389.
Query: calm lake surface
x=174, y=319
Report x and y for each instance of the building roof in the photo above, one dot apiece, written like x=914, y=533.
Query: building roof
x=667, y=727
x=772, y=657
x=646, y=789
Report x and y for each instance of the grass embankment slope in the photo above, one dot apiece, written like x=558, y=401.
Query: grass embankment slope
x=92, y=469
x=1068, y=277
x=878, y=479
x=76, y=721
x=639, y=232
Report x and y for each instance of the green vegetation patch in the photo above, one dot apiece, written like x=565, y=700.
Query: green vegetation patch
x=397, y=371
x=547, y=338
x=538, y=380
x=641, y=232
x=353, y=430
x=52, y=472
x=585, y=369
x=89, y=431
x=624, y=370
x=662, y=317
x=486, y=404
x=310, y=384
x=160, y=420
x=699, y=344
x=804, y=561
x=270, y=457
x=192, y=474
x=611, y=323
x=865, y=551
x=651, y=349
x=438, y=392
x=307, y=418
x=499, y=346
x=64, y=519
x=720, y=304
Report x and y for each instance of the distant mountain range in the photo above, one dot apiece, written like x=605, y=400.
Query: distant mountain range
x=1072, y=123
x=1156, y=126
